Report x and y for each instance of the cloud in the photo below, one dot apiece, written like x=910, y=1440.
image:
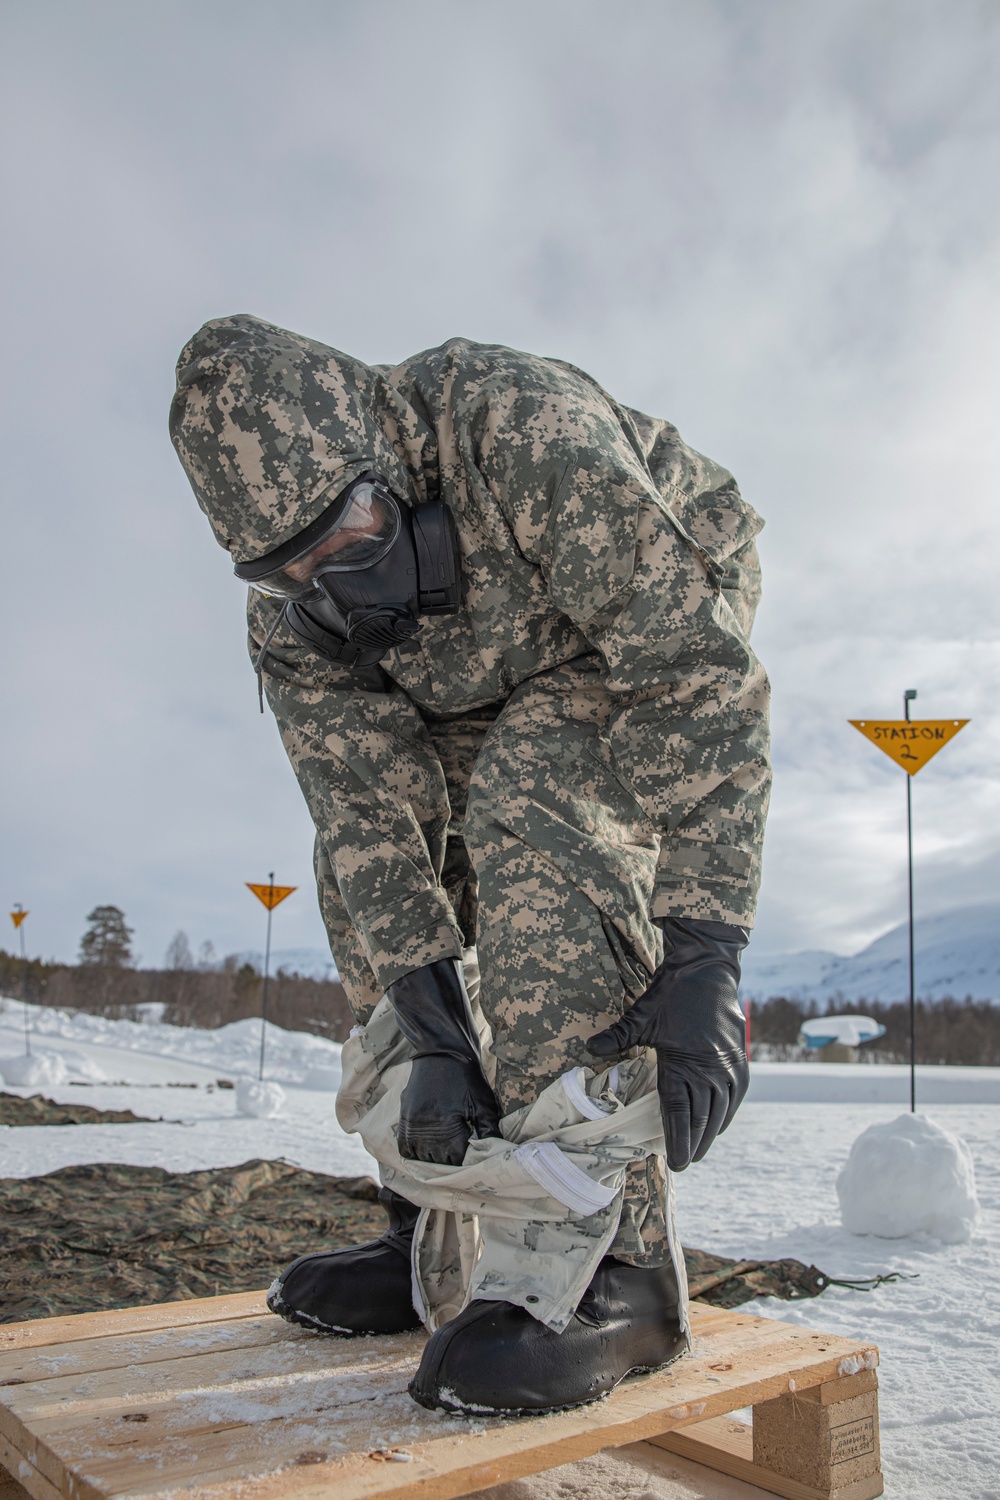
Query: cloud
x=772, y=224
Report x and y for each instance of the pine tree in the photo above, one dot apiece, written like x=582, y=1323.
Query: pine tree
x=108, y=940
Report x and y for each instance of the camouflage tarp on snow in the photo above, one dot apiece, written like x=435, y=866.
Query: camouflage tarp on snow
x=93, y=1237
x=37, y=1110
x=104, y=1235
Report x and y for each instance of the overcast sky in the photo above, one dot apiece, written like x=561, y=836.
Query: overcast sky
x=775, y=223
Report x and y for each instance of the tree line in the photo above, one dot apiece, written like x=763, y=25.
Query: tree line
x=106, y=981
x=961, y=1032
x=202, y=992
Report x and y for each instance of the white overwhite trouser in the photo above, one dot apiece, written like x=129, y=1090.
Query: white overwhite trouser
x=527, y=1217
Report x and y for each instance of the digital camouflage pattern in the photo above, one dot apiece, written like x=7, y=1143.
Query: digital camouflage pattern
x=271, y=427
x=581, y=748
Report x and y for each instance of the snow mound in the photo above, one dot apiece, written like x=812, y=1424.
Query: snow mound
x=262, y=1101
x=81, y=1066
x=230, y=1050
x=46, y=1070
x=910, y=1176
x=324, y=1079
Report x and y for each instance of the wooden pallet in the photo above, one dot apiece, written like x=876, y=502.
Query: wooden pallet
x=218, y=1398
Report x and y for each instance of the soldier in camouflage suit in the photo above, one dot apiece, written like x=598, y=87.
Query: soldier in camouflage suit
x=568, y=765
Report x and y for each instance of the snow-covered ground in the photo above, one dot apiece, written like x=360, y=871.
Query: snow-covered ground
x=870, y=1083
x=768, y=1189
x=171, y=1073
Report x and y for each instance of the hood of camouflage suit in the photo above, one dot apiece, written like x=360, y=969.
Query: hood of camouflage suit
x=271, y=426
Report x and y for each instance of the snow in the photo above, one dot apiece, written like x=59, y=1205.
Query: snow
x=261, y=1101
x=908, y=1177
x=957, y=954
x=789, y=974
x=134, y=1052
x=35, y=1070
x=637, y=1471
x=870, y=1083
x=322, y=1078
x=174, y=1072
x=767, y=1189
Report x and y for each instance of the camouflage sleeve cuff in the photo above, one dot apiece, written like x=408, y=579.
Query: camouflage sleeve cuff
x=704, y=903
x=713, y=882
x=409, y=935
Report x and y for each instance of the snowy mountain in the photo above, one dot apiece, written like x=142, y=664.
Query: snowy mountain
x=957, y=954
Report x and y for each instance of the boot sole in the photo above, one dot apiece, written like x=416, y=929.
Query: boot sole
x=471, y=1409
x=303, y=1320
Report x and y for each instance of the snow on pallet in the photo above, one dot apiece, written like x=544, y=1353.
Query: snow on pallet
x=219, y=1398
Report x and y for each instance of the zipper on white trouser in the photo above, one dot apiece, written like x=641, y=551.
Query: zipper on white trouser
x=562, y=1179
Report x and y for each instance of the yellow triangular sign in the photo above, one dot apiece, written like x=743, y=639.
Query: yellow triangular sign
x=17, y=917
x=271, y=895
x=910, y=743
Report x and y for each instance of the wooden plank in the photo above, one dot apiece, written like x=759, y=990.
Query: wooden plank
x=171, y=1361
x=844, y=1389
x=110, y=1406
x=97, y=1341
x=117, y=1352
x=41, y=1331
x=727, y=1446
x=121, y=1351
x=300, y=1415
x=17, y=1470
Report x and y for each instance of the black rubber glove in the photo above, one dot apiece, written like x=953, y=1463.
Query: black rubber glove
x=692, y=1016
x=447, y=1099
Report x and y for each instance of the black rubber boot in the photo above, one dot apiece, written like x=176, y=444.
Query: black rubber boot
x=366, y=1289
x=495, y=1357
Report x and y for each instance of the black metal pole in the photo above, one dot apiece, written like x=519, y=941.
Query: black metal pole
x=24, y=986
x=267, y=967
x=908, y=697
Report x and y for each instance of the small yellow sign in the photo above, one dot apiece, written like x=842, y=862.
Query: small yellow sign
x=17, y=917
x=909, y=742
x=271, y=895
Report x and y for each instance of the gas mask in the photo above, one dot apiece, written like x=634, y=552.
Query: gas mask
x=356, y=581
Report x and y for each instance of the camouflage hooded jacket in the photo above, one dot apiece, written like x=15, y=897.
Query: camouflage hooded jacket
x=587, y=531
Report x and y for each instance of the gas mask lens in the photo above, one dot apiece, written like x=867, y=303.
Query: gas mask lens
x=366, y=521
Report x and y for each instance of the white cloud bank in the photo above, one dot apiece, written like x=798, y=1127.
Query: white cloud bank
x=775, y=224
